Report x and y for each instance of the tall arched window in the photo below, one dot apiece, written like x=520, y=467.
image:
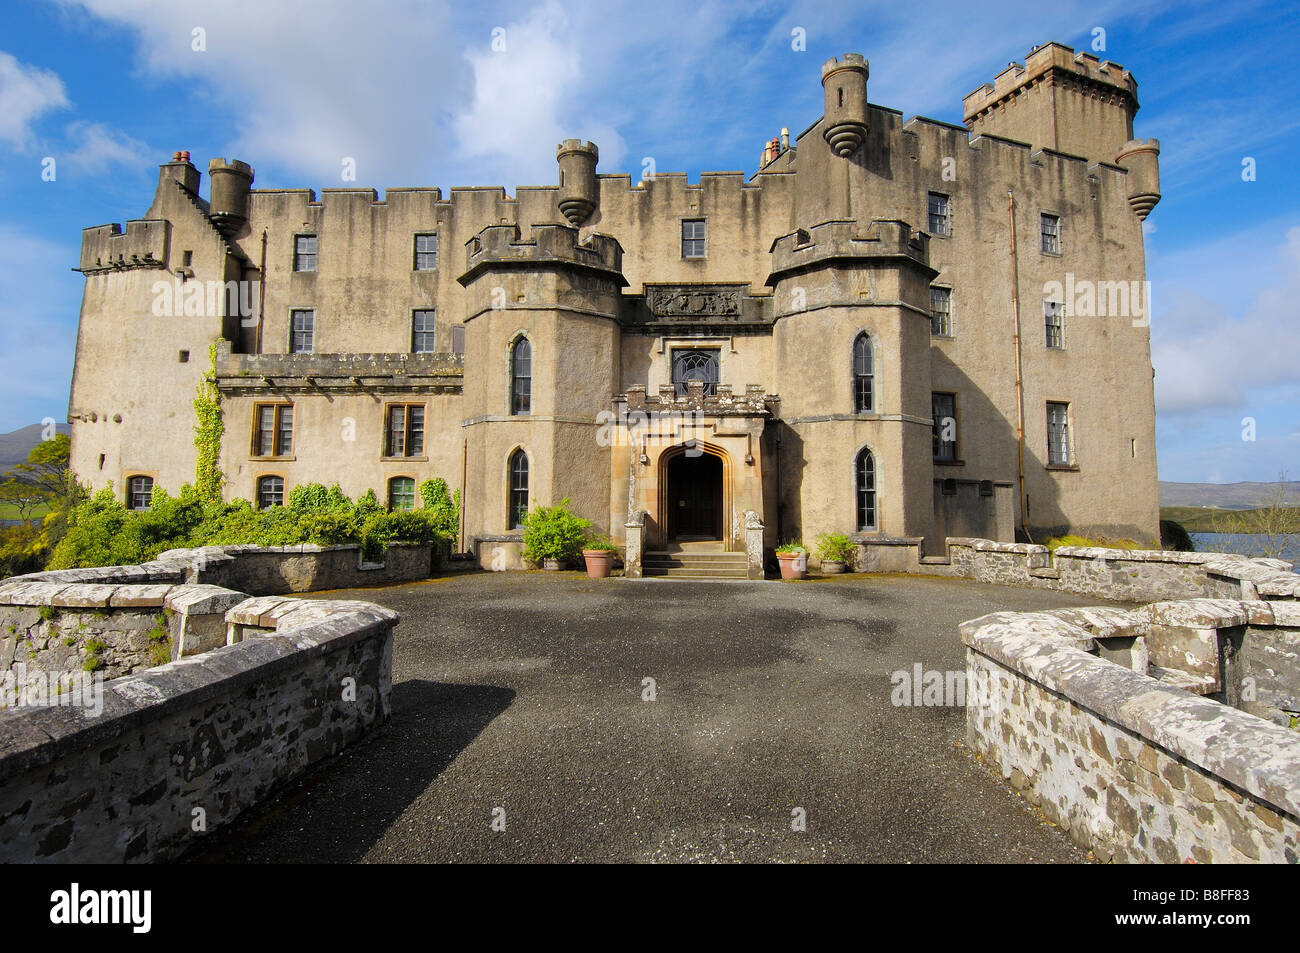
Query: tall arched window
x=518, y=505
x=521, y=377
x=863, y=374
x=865, y=483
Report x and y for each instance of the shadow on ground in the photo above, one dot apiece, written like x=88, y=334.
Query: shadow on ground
x=344, y=806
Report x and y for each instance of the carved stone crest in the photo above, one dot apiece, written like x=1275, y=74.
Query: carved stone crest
x=692, y=301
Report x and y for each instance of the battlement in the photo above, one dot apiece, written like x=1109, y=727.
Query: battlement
x=570, y=146
x=1050, y=61
x=754, y=402
x=107, y=248
x=550, y=245
x=230, y=165
x=841, y=240
x=271, y=374
x=854, y=61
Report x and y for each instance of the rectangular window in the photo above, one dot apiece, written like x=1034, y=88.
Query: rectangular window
x=273, y=434
x=302, y=332
x=458, y=339
x=1054, y=322
x=405, y=430
x=941, y=312
x=426, y=252
x=401, y=493
x=693, y=238
x=304, y=253
x=940, y=214
x=1051, y=229
x=943, y=408
x=422, y=332
x=1058, y=434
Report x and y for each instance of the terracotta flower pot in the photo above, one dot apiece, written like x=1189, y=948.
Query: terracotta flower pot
x=832, y=567
x=599, y=562
x=552, y=565
x=793, y=565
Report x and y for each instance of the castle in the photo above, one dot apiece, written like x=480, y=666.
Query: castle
x=899, y=328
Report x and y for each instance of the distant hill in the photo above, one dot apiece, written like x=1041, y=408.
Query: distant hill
x=17, y=444
x=1228, y=496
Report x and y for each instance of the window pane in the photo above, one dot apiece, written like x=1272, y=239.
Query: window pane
x=943, y=408
x=396, y=430
x=518, y=503
x=265, y=431
x=1051, y=229
x=866, y=490
x=458, y=339
x=270, y=492
x=284, y=436
x=939, y=213
x=941, y=311
x=139, y=493
x=1054, y=323
x=1058, y=434
x=414, y=430
x=426, y=252
x=303, y=331
x=401, y=493
x=695, y=366
x=422, y=328
x=304, y=253
x=693, y=238
x=521, y=388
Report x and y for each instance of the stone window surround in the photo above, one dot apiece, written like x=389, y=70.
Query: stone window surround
x=129, y=475
x=390, y=479
x=877, y=486
x=255, y=428
x=423, y=455
x=873, y=340
x=520, y=335
x=507, y=482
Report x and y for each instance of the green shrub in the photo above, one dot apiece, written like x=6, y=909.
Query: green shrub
x=794, y=547
x=836, y=547
x=553, y=532
x=599, y=542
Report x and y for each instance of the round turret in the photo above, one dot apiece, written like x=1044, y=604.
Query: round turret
x=1141, y=157
x=230, y=182
x=845, y=86
x=579, y=191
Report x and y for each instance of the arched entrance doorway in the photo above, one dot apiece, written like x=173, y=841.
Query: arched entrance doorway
x=694, y=497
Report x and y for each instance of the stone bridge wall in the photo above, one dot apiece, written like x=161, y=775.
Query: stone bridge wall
x=1142, y=761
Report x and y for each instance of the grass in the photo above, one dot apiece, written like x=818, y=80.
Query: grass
x=9, y=511
x=1056, y=542
x=1200, y=519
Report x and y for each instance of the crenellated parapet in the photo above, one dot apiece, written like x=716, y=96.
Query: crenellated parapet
x=549, y=247
x=106, y=248
x=1054, y=63
x=839, y=241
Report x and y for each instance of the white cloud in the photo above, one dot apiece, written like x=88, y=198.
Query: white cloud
x=94, y=146
x=1213, y=347
x=26, y=93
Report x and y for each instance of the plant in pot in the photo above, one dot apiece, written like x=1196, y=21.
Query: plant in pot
x=599, y=552
x=553, y=535
x=835, y=551
x=793, y=557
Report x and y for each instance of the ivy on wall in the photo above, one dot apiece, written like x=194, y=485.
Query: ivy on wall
x=208, y=479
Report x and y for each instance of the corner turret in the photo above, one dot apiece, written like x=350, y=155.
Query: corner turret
x=845, y=87
x=579, y=192
x=230, y=183
x=1141, y=157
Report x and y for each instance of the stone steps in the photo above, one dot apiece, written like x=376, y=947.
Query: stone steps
x=699, y=565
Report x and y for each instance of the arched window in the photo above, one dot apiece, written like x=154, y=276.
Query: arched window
x=139, y=493
x=518, y=505
x=863, y=374
x=401, y=493
x=521, y=377
x=865, y=483
x=270, y=492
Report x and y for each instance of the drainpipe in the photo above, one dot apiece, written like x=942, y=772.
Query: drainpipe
x=261, y=295
x=1020, y=386
x=464, y=488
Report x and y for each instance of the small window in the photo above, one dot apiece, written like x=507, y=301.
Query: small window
x=940, y=213
x=1051, y=231
x=302, y=333
x=422, y=338
x=304, y=253
x=273, y=434
x=405, y=430
x=187, y=258
x=458, y=339
x=695, y=365
x=270, y=492
x=693, y=244
x=426, y=252
x=1054, y=323
x=139, y=493
x=941, y=312
x=401, y=493
x=1058, y=435
x=863, y=375
x=518, y=502
x=943, y=408
x=521, y=378
x=184, y=357
x=865, y=484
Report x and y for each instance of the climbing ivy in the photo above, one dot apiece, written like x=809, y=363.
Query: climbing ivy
x=208, y=479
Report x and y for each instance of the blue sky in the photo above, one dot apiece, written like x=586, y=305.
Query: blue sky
x=416, y=94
